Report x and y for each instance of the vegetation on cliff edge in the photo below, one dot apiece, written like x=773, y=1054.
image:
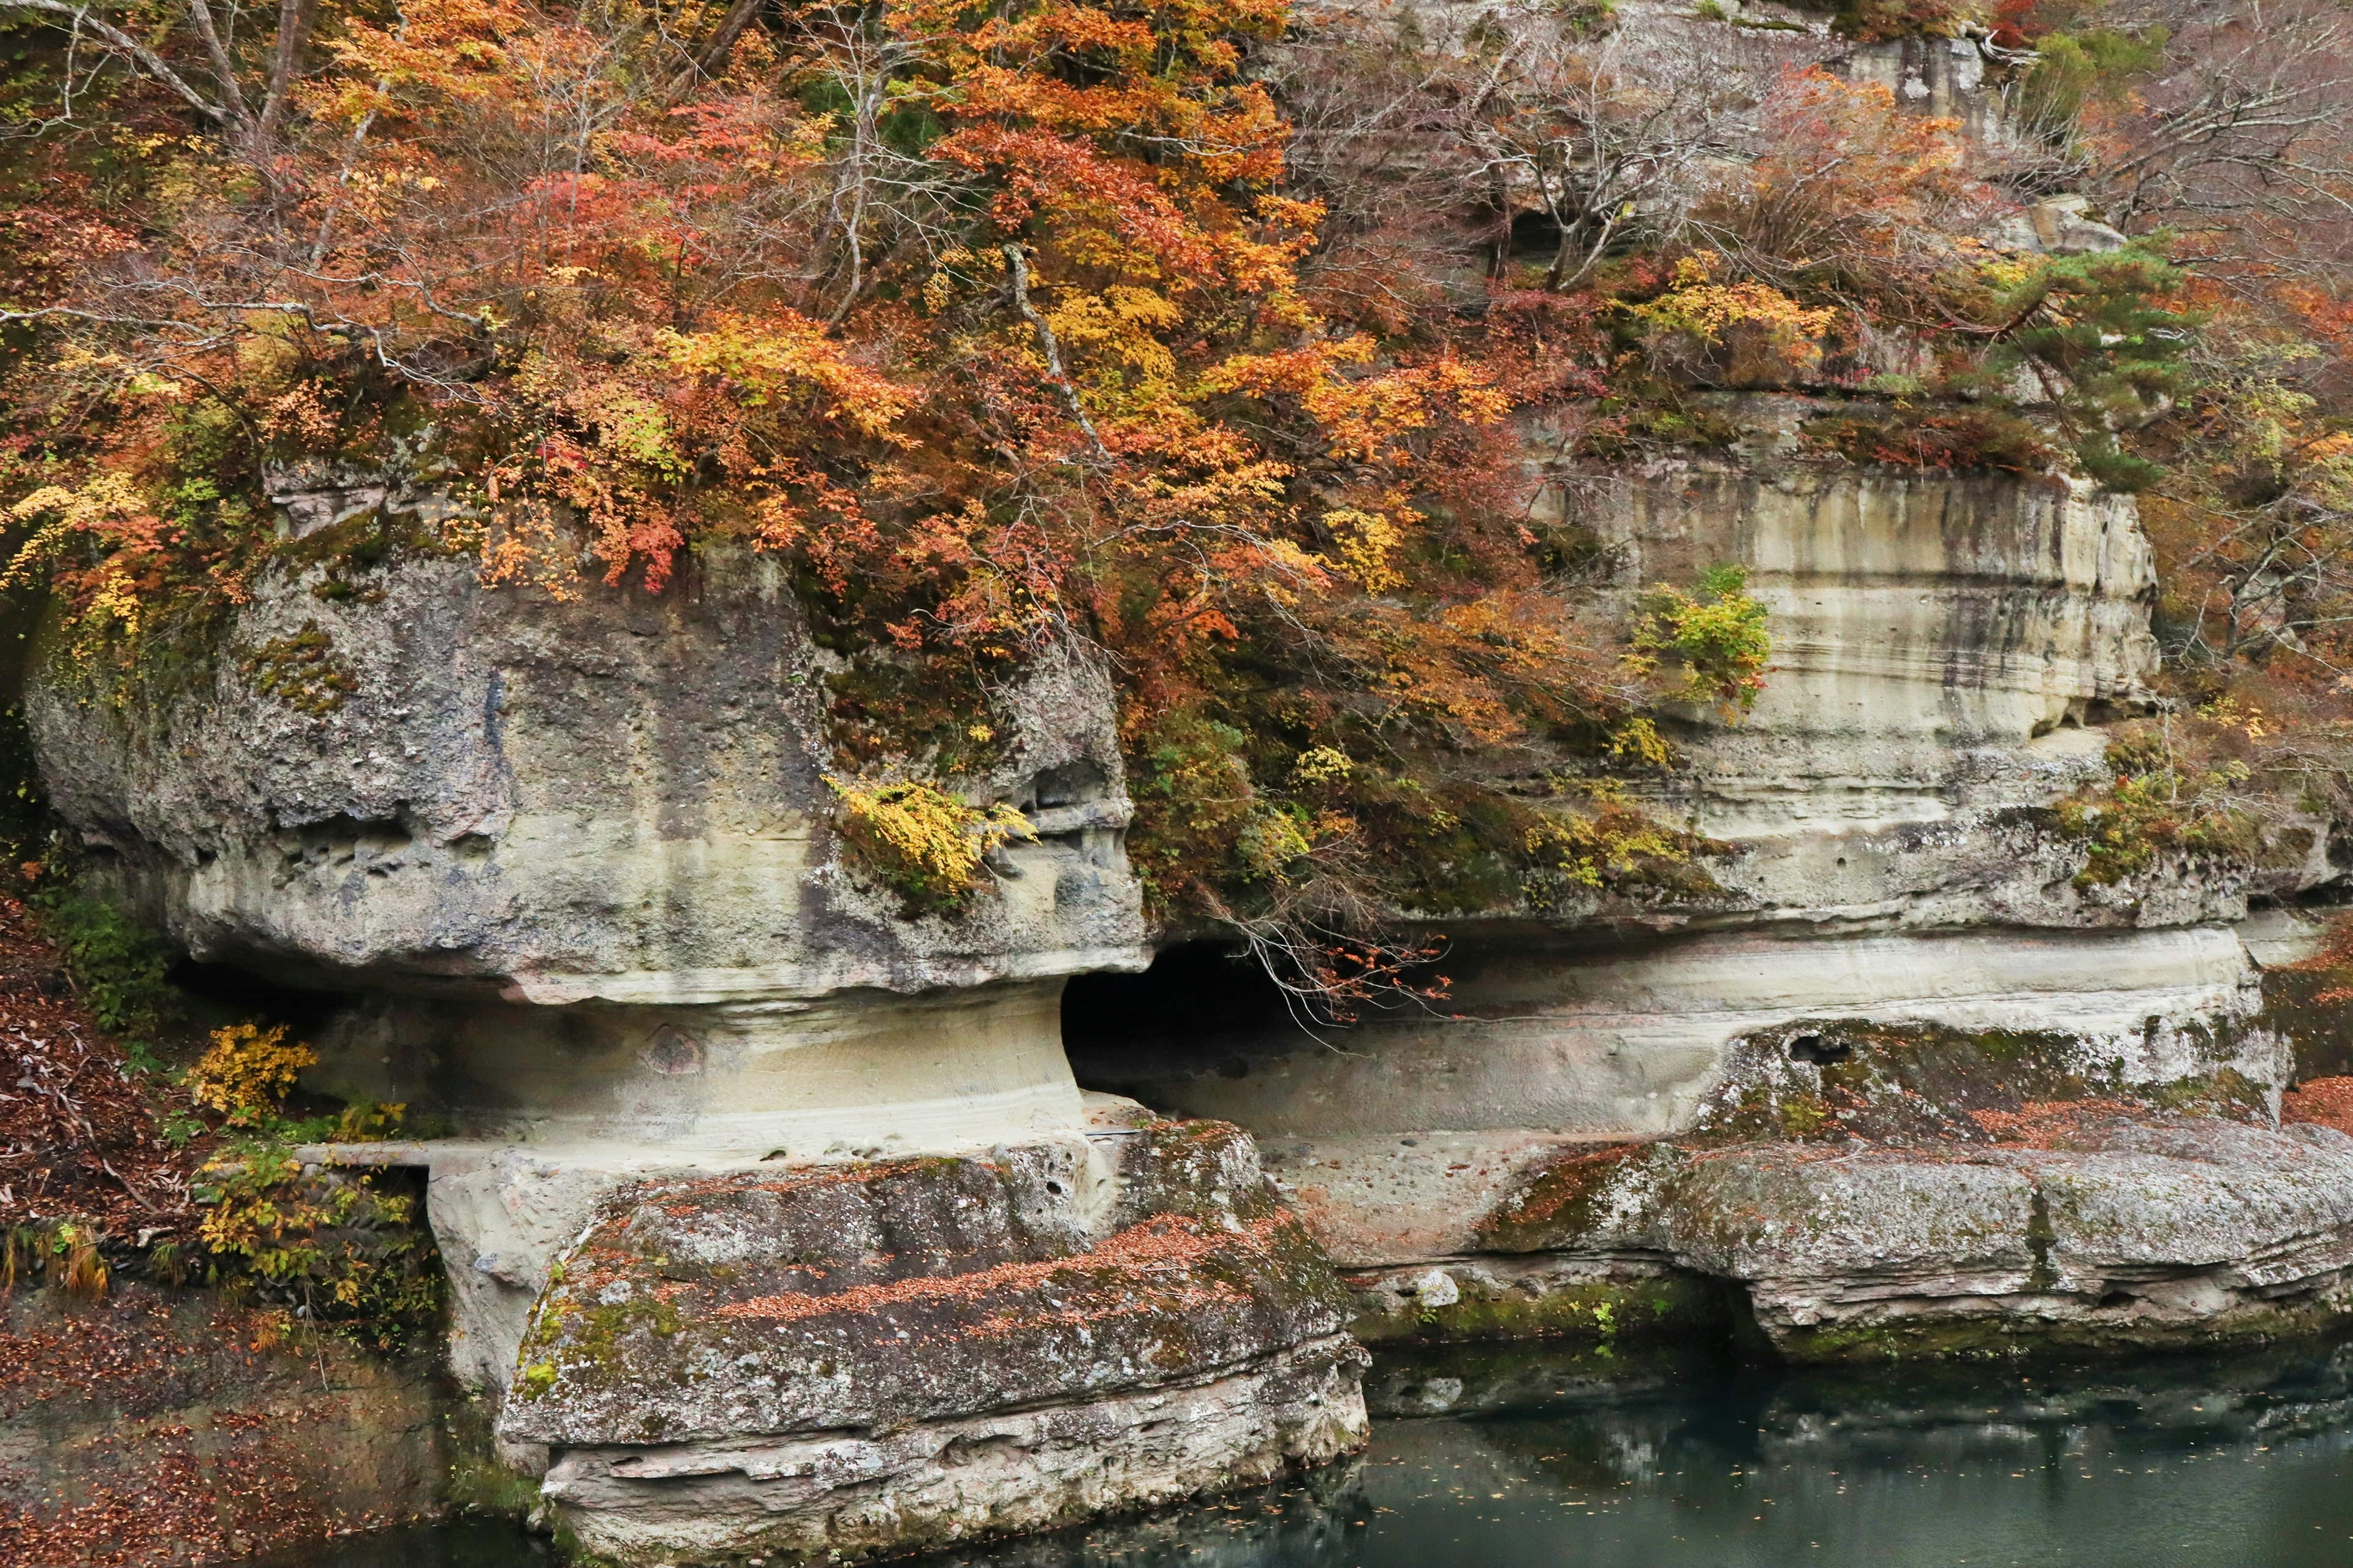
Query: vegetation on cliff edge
x=1259, y=352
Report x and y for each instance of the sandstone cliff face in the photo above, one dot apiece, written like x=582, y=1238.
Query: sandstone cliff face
x=619, y=798
x=1947, y=651
x=574, y=864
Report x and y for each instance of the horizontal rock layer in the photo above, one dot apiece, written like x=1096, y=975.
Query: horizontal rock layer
x=912, y=1352
x=1873, y=1190
x=1630, y=1039
x=390, y=774
x=846, y=1497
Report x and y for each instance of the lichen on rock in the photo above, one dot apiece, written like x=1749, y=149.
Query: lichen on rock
x=874, y=1356
x=1878, y=1191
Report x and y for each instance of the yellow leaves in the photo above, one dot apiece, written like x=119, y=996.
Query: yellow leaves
x=1716, y=639
x=783, y=357
x=247, y=1072
x=2230, y=712
x=1369, y=543
x=1321, y=765
x=1368, y=417
x=1638, y=741
x=108, y=497
x=1719, y=313
x=1118, y=323
x=1587, y=850
x=923, y=843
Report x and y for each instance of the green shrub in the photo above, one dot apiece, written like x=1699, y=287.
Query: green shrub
x=121, y=969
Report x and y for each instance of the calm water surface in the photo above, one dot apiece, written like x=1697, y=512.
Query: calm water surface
x=1492, y=1459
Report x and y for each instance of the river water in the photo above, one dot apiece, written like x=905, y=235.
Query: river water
x=1521, y=1458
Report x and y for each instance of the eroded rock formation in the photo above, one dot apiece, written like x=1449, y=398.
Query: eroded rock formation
x=1948, y=651
x=575, y=863
x=841, y=1363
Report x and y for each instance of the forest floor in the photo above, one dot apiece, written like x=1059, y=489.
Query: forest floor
x=143, y=1422
x=2327, y=1101
x=81, y=1142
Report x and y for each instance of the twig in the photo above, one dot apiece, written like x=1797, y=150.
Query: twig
x=1020, y=265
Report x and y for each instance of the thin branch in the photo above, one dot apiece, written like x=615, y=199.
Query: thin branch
x=147, y=59
x=1020, y=264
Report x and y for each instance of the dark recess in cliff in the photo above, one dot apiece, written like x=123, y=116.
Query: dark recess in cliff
x=1202, y=1007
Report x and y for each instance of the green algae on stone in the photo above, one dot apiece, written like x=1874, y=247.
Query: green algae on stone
x=1603, y=1311
x=884, y=1293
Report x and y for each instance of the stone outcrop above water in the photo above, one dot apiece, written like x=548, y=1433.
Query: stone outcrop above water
x=1873, y=1190
x=875, y=1357
x=391, y=775
x=1949, y=651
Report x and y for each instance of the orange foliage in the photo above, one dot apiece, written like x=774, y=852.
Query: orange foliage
x=990, y=321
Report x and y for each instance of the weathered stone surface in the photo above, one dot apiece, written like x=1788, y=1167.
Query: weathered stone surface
x=878, y=1356
x=619, y=798
x=1929, y=1191
x=1947, y=651
x=576, y=861
x=1544, y=1037
x=1946, y=647
x=843, y=1496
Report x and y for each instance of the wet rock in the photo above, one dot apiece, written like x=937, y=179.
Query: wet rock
x=876, y=1357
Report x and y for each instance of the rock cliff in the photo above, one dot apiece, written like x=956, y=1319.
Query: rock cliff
x=1948, y=651
x=778, y=1222
x=574, y=864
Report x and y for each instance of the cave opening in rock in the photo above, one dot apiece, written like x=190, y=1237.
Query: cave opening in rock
x=1203, y=1006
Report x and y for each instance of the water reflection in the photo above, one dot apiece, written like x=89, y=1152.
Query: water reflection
x=1512, y=1456
x=1520, y=1456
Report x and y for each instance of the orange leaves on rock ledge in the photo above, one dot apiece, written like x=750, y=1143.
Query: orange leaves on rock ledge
x=986, y=318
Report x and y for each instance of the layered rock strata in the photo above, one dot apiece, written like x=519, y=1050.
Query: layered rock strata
x=852, y=1361
x=387, y=774
x=574, y=864
x=1890, y=1190
x=1947, y=652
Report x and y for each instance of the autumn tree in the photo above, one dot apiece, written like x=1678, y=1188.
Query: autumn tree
x=989, y=318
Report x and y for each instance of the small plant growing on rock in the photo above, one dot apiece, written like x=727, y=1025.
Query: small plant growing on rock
x=337, y=1247
x=1715, y=638
x=923, y=843
x=2164, y=810
x=301, y=671
x=247, y=1072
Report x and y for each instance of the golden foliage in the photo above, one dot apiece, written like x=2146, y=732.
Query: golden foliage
x=923, y=843
x=247, y=1072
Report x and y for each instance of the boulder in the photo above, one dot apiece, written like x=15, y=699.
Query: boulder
x=1869, y=1190
x=879, y=1356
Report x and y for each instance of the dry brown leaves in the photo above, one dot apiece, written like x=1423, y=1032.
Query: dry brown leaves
x=150, y=1429
x=2049, y=1123
x=2325, y=1101
x=78, y=1139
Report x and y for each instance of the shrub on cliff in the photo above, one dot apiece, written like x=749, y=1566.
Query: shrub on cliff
x=990, y=321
